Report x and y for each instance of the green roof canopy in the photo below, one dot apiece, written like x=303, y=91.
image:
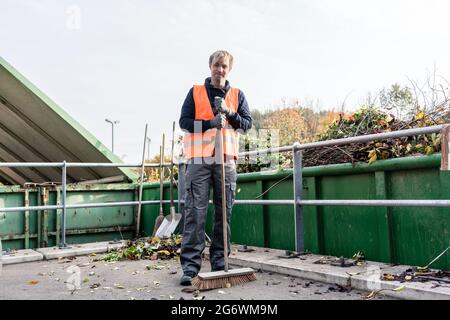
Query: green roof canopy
x=33, y=128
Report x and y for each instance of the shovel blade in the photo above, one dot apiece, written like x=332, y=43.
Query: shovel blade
x=173, y=225
x=162, y=228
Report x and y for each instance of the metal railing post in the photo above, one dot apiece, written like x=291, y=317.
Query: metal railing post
x=63, y=243
x=445, y=148
x=298, y=186
x=27, y=219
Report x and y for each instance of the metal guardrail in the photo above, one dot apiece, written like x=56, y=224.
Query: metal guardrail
x=296, y=148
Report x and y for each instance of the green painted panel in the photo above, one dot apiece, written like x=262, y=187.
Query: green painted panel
x=420, y=234
x=279, y=219
x=347, y=230
x=247, y=223
x=312, y=217
x=99, y=217
x=13, y=223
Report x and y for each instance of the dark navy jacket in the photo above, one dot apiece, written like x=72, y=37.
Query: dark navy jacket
x=241, y=120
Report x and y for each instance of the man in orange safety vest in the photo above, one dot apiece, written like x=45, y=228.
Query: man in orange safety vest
x=202, y=120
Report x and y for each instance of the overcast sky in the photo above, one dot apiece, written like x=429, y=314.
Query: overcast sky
x=134, y=61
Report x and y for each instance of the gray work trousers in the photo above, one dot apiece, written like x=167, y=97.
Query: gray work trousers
x=199, y=178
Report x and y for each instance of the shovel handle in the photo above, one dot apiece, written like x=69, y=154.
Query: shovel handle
x=141, y=182
x=161, y=173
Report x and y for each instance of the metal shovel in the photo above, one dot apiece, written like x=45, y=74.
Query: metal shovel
x=171, y=221
x=160, y=218
x=174, y=217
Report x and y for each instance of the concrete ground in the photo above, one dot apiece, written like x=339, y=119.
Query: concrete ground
x=58, y=279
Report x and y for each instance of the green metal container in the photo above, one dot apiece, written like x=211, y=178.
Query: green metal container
x=404, y=235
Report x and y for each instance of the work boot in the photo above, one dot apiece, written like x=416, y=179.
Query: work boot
x=186, y=279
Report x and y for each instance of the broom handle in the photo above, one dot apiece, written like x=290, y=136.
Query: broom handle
x=141, y=182
x=224, y=202
x=171, y=171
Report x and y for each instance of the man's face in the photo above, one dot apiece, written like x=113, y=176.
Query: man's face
x=220, y=68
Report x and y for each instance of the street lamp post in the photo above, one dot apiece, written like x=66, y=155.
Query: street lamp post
x=112, y=132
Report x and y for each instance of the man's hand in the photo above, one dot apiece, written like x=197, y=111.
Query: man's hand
x=219, y=121
x=219, y=104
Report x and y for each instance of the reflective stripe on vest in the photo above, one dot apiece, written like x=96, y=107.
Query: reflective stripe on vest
x=203, y=144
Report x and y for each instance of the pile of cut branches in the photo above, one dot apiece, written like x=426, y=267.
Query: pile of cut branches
x=371, y=121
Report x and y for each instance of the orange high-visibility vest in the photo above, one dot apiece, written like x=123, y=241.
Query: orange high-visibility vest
x=202, y=144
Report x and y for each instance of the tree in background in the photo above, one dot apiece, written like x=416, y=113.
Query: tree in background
x=152, y=174
x=290, y=122
x=398, y=100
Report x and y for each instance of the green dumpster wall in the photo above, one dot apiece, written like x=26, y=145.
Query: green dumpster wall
x=397, y=235
x=404, y=235
x=82, y=225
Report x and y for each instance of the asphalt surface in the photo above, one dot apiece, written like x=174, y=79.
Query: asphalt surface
x=82, y=278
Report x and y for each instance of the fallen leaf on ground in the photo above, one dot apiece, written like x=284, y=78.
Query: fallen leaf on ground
x=373, y=294
x=33, y=282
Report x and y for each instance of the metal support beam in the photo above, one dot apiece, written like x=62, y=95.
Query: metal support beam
x=27, y=219
x=63, y=243
x=58, y=216
x=298, y=186
x=44, y=217
x=38, y=209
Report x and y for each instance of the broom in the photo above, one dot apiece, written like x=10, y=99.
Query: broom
x=226, y=278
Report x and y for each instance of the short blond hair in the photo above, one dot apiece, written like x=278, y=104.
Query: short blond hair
x=221, y=54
